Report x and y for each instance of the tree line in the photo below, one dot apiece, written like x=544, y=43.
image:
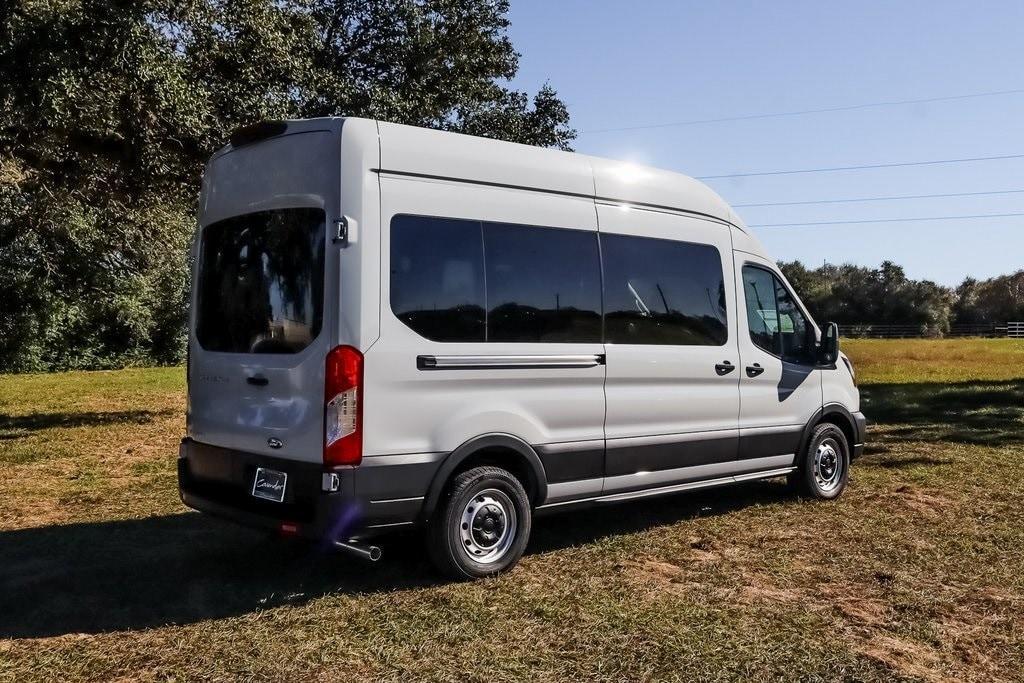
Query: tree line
x=851, y=295
x=109, y=109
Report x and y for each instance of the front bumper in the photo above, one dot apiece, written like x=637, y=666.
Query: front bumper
x=219, y=481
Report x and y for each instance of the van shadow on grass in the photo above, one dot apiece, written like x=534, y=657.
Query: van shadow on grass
x=178, y=569
x=978, y=413
x=18, y=426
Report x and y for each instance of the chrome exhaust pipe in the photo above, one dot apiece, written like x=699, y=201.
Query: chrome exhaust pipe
x=368, y=552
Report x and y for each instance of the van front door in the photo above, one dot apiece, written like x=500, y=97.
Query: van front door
x=780, y=387
x=673, y=365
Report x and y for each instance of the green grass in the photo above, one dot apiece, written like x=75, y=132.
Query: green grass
x=914, y=574
x=935, y=360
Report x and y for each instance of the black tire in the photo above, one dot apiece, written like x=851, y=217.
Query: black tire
x=482, y=524
x=825, y=476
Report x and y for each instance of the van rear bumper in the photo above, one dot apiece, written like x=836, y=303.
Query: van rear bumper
x=218, y=481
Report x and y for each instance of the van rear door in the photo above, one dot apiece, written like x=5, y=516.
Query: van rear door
x=261, y=322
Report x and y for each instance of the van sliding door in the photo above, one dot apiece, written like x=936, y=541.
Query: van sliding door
x=672, y=389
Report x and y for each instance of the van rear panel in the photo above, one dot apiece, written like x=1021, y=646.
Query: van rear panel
x=262, y=319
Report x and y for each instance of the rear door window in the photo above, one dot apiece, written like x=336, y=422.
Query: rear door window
x=261, y=282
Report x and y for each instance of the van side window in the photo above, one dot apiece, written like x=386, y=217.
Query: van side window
x=777, y=325
x=793, y=327
x=437, y=277
x=543, y=284
x=663, y=292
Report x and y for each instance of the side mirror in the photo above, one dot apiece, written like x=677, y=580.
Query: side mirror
x=828, y=349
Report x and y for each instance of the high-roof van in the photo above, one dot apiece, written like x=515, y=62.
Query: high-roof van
x=397, y=327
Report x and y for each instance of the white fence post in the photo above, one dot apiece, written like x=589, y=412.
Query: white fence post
x=1015, y=330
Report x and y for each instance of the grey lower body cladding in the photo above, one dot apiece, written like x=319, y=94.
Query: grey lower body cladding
x=368, y=498
x=391, y=491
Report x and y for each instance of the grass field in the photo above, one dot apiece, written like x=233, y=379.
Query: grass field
x=916, y=573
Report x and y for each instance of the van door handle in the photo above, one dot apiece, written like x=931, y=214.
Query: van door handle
x=754, y=370
x=724, y=368
x=258, y=380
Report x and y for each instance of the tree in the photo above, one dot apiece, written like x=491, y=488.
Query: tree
x=110, y=108
x=997, y=300
x=853, y=295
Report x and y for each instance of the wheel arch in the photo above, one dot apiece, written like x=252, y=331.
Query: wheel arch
x=500, y=450
x=833, y=413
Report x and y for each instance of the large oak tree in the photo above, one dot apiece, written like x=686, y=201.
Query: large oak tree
x=108, y=109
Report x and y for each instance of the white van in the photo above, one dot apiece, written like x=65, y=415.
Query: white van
x=394, y=326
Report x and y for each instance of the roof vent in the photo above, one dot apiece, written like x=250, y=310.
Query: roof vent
x=246, y=135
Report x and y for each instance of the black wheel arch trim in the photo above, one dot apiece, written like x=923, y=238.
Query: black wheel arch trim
x=828, y=410
x=479, y=443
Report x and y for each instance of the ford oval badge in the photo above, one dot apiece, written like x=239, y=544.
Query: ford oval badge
x=274, y=442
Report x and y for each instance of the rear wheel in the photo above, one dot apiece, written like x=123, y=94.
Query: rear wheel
x=825, y=467
x=482, y=525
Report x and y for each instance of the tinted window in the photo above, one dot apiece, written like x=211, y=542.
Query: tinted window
x=260, y=282
x=776, y=323
x=793, y=327
x=663, y=292
x=762, y=313
x=543, y=284
x=437, y=277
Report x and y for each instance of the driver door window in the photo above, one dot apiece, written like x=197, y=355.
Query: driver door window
x=776, y=323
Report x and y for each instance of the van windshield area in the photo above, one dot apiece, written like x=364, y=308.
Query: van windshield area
x=260, y=285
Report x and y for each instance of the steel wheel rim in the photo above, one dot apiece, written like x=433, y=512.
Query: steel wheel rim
x=488, y=526
x=828, y=465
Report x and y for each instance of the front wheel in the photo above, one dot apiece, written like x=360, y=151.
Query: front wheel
x=482, y=526
x=825, y=466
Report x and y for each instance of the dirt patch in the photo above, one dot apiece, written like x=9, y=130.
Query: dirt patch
x=963, y=643
x=927, y=503
x=750, y=587
x=866, y=622
x=930, y=504
x=661, y=577
x=759, y=588
x=702, y=550
x=904, y=657
x=662, y=571
x=855, y=604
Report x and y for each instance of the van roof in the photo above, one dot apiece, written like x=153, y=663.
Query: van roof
x=424, y=152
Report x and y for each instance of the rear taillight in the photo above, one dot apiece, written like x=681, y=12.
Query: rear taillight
x=343, y=410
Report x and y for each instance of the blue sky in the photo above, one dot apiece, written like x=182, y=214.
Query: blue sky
x=649, y=62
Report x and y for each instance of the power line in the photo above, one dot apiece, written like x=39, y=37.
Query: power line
x=887, y=220
x=858, y=168
x=882, y=199
x=851, y=107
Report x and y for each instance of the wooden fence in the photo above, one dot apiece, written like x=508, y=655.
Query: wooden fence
x=1010, y=329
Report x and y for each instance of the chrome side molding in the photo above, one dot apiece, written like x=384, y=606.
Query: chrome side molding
x=675, y=488
x=509, y=362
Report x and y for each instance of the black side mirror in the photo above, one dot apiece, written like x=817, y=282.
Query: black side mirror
x=828, y=349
